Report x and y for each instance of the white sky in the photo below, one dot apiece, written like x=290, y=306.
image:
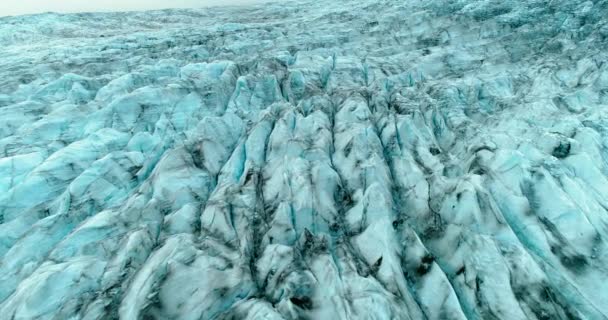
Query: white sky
x=16, y=7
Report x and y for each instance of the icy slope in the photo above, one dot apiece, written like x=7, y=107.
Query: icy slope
x=307, y=160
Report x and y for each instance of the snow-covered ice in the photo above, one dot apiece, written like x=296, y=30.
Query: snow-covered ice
x=443, y=159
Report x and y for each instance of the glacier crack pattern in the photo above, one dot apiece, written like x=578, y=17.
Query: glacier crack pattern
x=305, y=160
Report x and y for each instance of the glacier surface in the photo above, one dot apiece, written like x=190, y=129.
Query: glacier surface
x=442, y=159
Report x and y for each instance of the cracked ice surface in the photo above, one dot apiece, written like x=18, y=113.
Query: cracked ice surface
x=305, y=160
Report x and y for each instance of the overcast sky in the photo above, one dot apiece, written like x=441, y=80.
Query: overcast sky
x=16, y=7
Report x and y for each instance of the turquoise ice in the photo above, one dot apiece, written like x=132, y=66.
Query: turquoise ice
x=307, y=160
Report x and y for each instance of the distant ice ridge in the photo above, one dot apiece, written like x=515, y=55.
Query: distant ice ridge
x=307, y=160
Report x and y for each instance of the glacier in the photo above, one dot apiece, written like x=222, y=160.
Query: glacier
x=443, y=159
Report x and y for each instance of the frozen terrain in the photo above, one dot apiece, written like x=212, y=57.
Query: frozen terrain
x=442, y=159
